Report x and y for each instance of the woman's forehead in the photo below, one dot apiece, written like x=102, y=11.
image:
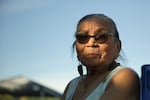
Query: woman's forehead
x=94, y=24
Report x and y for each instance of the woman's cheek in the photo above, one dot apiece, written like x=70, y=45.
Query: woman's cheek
x=80, y=52
x=107, y=55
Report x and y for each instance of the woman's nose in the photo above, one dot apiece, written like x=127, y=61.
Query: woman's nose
x=92, y=42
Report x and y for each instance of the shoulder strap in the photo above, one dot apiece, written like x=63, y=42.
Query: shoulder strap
x=110, y=75
x=72, y=88
x=97, y=93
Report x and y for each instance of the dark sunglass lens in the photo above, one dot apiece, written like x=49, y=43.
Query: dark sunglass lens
x=102, y=38
x=82, y=38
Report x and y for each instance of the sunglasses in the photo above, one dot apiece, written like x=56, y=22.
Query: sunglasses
x=100, y=38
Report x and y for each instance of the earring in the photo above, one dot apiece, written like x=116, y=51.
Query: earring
x=80, y=69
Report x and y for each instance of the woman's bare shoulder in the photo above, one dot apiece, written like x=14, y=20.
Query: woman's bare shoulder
x=125, y=77
x=125, y=85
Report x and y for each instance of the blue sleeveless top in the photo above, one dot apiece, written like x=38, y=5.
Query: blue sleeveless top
x=98, y=91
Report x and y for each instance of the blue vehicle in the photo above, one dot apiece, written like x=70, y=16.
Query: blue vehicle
x=145, y=79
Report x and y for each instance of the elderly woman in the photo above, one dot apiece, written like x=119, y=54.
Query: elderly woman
x=98, y=46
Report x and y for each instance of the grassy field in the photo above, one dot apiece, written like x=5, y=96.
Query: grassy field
x=9, y=97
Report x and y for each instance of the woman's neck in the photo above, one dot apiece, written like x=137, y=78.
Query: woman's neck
x=101, y=70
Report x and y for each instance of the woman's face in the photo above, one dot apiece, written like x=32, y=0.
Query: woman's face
x=99, y=52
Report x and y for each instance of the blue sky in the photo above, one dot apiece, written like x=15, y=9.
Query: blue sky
x=36, y=36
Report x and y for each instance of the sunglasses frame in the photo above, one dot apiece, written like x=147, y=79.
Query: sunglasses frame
x=100, y=38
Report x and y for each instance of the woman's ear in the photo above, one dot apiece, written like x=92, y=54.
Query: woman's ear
x=118, y=45
x=117, y=48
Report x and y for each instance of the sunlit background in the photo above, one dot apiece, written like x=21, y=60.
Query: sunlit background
x=36, y=36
